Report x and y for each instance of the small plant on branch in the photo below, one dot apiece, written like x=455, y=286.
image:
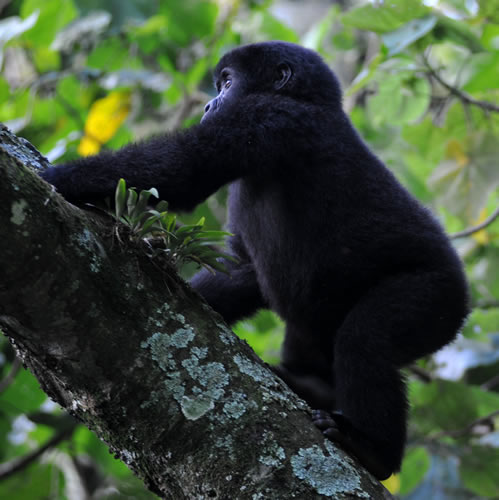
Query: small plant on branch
x=159, y=229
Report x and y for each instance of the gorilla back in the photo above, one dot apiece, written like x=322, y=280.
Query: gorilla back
x=363, y=275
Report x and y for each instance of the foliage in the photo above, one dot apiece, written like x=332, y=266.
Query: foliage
x=158, y=228
x=421, y=86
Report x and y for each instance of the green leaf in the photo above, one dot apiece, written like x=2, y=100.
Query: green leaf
x=365, y=76
x=446, y=405
x=120, y=198
x=186, y=229
x=463, y=182
x=264, y=333
x=111, y=55
x=457, y=32
x=189, y=20
x=264, y=22
x=483, y=69
x=144, y=196
x=400, y=99
x=383, y=17
x=35, y=481
x=23, y=395
x=315, y=36
x=214, y=234
x=490, y=36
x=478, y=470
x=414, y=467
x=148, y=226
x=131, y=202
x=399, y=39
x=54, y=14
x=489, y=10
x=170, y=221
x=4, y=90
x=162, y=206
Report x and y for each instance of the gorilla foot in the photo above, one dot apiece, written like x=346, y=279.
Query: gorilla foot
x=336, y=427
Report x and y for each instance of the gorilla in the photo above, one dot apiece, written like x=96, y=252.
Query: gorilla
x=324, y=235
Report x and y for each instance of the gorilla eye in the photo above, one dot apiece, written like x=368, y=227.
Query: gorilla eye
x=228, y=83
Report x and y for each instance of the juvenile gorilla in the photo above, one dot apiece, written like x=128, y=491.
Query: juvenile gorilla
x=363, y=275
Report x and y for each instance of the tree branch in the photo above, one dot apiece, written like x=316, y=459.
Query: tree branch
x=9, y=468
x=466, y=430
x=467, y=232
x=4, y=383
x=466, y=98
x=148, y=367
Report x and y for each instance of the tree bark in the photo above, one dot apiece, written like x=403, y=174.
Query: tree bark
x=123, y=344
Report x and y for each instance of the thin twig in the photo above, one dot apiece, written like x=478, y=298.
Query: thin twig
x=490, y=384
x=420, y=373
x=463, y=96
x=478, y=227
x=466, y=430
x=11, y=375
x=9, y=468
x=486, y=304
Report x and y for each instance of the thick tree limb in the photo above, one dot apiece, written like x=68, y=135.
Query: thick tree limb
x=136, y=355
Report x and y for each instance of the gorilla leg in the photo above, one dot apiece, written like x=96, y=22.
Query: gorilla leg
x=306, y=366
x=403, y=318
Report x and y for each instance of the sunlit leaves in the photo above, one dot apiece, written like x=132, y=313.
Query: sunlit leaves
x=104, y=119
x=392, y=484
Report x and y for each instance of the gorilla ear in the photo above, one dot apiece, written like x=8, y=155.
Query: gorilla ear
x=284, y=73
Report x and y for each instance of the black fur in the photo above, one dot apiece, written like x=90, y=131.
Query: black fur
x=363, y=275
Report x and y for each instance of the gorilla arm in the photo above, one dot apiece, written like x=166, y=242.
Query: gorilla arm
x=185, y=167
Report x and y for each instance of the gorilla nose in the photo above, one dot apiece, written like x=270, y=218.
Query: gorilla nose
x=207, y=107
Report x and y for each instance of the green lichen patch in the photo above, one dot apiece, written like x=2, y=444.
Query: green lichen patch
x=88, y=246
x=329, y=474
x=163, y=345
x=18, y=212
x=227, y=336
x=237, y=405
x=273, y=454
x=212, y=377
x=274, y=389
x=246, y=366
x=195, y=407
